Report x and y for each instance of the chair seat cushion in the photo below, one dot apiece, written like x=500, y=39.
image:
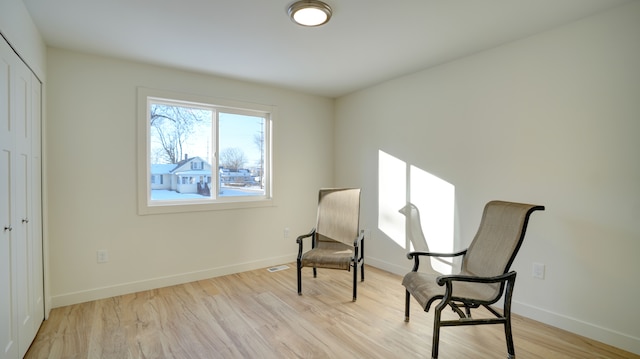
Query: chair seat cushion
x=334, y=256
x=424, y=288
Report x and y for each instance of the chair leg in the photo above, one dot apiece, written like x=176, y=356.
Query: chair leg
x=436, y=330
x=407, y=300
x=299, y=268
x=507, y=315
x=355, y=281
x=509, y=336
x=362, y=260
x=510, y=350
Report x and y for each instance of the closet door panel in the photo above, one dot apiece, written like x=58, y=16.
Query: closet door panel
x=35, y=221
x=8, y=313
x=25, y=259
x=8, y=251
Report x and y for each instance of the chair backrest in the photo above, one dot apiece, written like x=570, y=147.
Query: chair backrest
x=338, y=215
x=498, y=239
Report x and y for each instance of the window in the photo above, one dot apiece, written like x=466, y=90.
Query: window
x=198, y=153
x=156, y=179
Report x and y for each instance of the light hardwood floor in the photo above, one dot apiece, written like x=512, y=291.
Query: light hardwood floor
x=258, y=314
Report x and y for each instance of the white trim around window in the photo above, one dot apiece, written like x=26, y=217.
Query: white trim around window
x=219, y=195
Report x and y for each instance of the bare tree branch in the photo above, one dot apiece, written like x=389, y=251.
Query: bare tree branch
x=173, y=125
x=232, y=158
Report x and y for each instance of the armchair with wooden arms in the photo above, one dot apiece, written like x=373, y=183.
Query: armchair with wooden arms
x=335, y=241
x=484, y=275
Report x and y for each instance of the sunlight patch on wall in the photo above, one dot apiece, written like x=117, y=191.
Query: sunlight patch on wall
x=416, y=209
x=392, y=180
x=434, y=198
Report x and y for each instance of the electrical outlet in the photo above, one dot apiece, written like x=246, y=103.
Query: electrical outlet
x=286, y=233
x=538, y=270
x=102, y=256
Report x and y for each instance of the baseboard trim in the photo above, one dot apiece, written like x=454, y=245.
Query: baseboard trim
x=577, y=326
x=389, y=267
x=160, y=282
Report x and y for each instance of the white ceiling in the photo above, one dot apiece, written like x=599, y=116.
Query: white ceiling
x=366, y=41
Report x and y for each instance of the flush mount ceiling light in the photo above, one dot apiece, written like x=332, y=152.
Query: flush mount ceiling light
x=309, y=12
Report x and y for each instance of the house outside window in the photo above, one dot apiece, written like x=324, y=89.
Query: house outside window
x=202, y=154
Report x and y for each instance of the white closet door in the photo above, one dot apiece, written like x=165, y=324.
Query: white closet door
x=8, y=249
x=23, y=173
x=21, y=276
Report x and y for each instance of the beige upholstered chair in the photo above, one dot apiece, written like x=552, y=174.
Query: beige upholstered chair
x=484, y=274
x=335, y=241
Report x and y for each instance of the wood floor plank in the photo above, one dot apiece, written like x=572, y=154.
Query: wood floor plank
x=258, y=314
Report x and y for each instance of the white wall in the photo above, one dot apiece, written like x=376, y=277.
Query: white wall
x=553, y=119
x=91, y=148
x=18, y=27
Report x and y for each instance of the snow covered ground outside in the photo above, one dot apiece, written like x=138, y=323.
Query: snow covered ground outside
x=226, y=192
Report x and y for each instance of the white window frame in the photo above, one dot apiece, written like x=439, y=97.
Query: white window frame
x=147, y=206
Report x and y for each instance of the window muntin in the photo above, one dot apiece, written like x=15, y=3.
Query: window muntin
x=202, y=154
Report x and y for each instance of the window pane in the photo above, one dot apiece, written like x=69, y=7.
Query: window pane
x=180, y=144
x=241, y=161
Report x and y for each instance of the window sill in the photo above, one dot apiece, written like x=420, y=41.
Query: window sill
x=220, y=205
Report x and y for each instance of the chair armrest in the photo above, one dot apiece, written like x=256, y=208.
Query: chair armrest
x=417, y=254
x=442, y=280
x=307, y=235
x=411, y=255
x=359, y=239
x=300, y=241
